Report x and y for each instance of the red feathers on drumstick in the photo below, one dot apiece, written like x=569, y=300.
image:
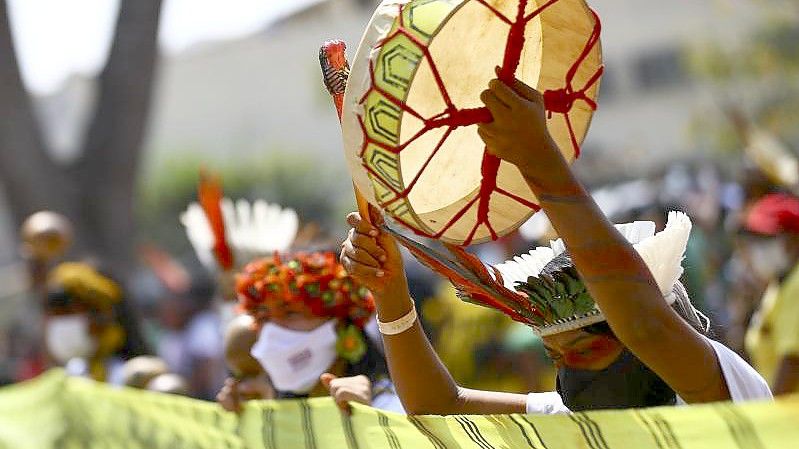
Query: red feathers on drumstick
x=471, y=278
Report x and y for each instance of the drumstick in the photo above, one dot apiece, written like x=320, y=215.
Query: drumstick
x=335, y=72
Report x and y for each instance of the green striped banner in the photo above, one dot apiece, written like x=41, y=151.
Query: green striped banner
x=55, y=411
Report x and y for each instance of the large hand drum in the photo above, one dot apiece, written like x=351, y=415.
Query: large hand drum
x=412, y=103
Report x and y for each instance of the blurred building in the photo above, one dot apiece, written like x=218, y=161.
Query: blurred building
x=249, y=95
x=257, y=93
x=264, y=91
x=648, y=95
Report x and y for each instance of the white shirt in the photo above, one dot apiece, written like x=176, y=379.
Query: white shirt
x=743, y=383
x=386, y=398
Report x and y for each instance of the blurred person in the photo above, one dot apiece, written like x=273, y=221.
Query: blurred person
x=82, y=330
x=644, y=348
x=744, y=288
x=44, y=236
x=139, y=371
x=773, y=336
x=248, y=379
x=204, y=341
x=311, y=320
x=227, y=234
x=173, y=314
x=191, y=338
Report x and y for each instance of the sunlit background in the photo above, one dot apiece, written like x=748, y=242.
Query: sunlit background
x=238, y=91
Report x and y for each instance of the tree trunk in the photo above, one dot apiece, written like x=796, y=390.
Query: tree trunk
x=110, y=161
x=28, y=174
x=97, y=191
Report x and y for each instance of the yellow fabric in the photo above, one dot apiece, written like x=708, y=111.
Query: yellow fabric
x=462, y=328
x=59, y=412
x=774, y=332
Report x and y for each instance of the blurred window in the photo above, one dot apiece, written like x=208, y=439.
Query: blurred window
x=783, y=40
x=659, y=69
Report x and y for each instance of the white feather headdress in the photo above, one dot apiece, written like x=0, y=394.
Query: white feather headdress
x=251, y=230
x=662, y=252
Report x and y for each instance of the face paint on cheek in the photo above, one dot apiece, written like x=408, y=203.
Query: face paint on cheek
x=597, y=350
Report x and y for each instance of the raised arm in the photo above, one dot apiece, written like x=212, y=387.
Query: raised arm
x=614, y=274
x=423, y=383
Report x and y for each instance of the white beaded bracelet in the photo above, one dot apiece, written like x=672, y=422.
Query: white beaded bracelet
x=400, y=325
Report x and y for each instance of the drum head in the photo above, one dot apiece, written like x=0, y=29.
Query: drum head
x=412, y=104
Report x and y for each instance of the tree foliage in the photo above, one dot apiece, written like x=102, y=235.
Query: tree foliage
x=296, y=180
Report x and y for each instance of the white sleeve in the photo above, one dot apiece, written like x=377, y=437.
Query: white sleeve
x=743, y=382
x=385, y=397
x=549, y=403
x=389, y=402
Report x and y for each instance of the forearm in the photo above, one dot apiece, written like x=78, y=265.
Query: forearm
x=623, y=287
x=614, y=273
x=612, y=270
x=422, y=381
x=787, y=380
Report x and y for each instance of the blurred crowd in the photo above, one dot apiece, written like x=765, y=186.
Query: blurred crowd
x=164, y=329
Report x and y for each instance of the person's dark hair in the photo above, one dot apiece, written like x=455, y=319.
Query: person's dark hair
x=561, y=262
x=57, y=298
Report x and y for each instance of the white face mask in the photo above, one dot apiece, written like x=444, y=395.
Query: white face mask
x=68, y=337
x=294, y=360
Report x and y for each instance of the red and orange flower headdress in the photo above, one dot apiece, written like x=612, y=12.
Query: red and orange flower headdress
x=314, y=284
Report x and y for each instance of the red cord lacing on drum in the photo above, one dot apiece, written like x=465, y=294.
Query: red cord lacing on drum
x=558, y=101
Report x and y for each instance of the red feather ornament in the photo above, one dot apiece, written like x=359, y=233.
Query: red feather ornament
x=209, y=195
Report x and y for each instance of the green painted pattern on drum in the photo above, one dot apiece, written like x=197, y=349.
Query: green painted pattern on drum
x=424, y=17
x=394, y=68
x=382, y=193
x=383, y=120
x=401, y=210
x=398, y=66
x=389, y=67
x=385, y=164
